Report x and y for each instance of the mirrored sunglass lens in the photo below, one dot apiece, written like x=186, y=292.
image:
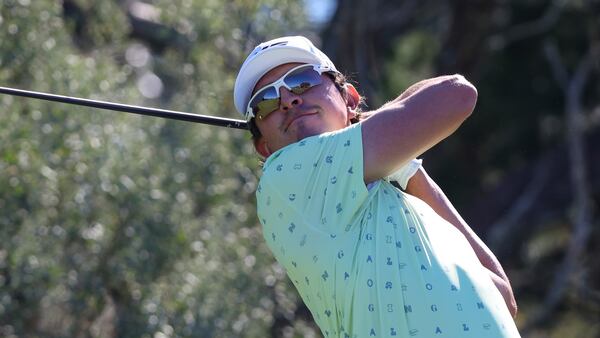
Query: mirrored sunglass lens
x=265, y=102
x=264, y=108
x=302, y=80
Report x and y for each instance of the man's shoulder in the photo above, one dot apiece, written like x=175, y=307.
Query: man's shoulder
x=320, y=160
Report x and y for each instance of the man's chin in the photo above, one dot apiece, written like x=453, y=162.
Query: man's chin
x=305, y=131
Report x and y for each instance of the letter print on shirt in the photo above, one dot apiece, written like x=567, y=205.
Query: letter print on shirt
x=399, y=275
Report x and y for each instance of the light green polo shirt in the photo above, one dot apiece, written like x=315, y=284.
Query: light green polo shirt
x=371, y=262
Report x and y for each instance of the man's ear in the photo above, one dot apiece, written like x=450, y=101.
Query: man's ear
x=352, y=99
x=262, y=147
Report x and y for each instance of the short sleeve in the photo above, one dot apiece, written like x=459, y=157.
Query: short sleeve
x=319, y=178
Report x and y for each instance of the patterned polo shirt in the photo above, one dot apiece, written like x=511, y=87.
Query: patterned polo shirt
x=371, y=262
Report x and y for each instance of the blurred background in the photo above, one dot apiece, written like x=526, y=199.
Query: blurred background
x=115, y=225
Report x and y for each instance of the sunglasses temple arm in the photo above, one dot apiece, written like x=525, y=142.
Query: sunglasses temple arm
x=163, y=113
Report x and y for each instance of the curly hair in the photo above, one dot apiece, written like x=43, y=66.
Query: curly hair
x=340, y=82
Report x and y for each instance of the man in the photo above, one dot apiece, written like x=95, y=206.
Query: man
x=368, y=259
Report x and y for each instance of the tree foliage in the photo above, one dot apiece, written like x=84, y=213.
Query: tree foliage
x=129, y=226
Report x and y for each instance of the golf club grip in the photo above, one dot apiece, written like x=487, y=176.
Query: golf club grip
x=168, y=114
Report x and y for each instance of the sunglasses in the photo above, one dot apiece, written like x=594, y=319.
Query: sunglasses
x=297, y=80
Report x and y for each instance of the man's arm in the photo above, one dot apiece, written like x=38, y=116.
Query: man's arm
x=419, y=118
x=424, y=188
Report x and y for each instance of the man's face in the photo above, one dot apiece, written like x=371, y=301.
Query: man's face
x=318, y=110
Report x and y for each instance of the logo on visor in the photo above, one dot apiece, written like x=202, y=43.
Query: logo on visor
x=260, y=49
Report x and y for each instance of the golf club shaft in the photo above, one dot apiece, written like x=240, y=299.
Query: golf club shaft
x=168, y=114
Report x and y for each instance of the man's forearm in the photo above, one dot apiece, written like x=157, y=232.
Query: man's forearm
x=424, y=188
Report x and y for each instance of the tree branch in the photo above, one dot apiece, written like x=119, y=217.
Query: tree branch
x=528, y=29
x=573, y=90
x=503, y=229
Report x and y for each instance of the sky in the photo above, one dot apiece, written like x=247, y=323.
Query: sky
x=320, y=11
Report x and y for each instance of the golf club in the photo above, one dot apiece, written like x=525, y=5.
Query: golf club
x=168, y=114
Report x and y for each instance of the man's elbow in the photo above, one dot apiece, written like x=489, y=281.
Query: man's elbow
x=465, y=95
x=457, y=100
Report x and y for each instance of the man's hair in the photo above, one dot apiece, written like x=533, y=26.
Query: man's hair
x=340, y=81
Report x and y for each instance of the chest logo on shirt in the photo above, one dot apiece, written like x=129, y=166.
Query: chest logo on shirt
x=297, y=166
x=292, y=197
x=329, y=159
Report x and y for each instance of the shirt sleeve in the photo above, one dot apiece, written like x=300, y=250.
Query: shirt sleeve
x=405, y=173
x=319, y=178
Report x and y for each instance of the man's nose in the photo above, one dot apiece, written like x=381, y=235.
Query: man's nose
x=289, y=99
